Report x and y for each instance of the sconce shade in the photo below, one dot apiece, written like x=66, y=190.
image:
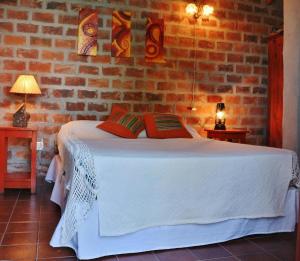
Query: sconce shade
x=207, y=10
x=26, y=84
x=191, y=9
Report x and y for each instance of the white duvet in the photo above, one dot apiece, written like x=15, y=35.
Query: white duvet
x=145, y=182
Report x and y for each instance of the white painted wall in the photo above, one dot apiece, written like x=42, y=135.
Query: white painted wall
x=291, y=90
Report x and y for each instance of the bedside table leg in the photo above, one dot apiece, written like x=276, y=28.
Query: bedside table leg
x=33, y=163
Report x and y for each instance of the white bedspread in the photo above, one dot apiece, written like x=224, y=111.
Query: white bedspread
x=144, y=183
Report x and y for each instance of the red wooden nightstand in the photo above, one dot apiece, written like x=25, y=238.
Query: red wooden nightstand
x=228, y=135
x=18, y=179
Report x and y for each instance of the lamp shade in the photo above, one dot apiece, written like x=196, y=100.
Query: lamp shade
x=26, y=84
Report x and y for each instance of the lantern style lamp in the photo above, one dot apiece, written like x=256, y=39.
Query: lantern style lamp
x=25, y=84
x=220, y=117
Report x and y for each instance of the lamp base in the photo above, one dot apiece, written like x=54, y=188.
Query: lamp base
x=220, y=126
x=21, y=117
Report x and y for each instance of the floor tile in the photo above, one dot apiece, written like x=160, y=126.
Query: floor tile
x=211, y=251
x=258, y=257
x=20, y=238
x=107, y=258
x=241, y=247
x=27, y=252
x=284, y=254
x=45, y=236
x=22, y=226
x=45, y=251
x=179, y=254
x=2, y=227
x=136, y=257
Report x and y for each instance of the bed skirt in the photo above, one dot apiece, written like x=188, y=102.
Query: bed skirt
x=88, y=244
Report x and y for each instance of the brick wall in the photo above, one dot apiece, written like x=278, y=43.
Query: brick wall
x=39, y=37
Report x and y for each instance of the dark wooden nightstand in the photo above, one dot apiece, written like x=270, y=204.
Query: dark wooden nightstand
x=18, y=179
x=227, y=135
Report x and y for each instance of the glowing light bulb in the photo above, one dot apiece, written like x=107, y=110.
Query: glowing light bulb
x=191, y=9
x=220, y=115
x=207, y=10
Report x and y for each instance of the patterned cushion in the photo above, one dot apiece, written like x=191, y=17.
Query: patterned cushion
x=163, y=126
x=122, y=123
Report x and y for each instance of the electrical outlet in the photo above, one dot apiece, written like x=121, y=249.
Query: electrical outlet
x=40, y=145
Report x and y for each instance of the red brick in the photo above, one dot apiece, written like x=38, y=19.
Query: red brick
x=14, y=40
x=133, y=96
x=214, y=56
x=14, y=14
x=54, y=30
x=160, y=108
x=38, y=117
x=51, y=80
x=31, y=3
x=45, y=42
x=43, y=17
x=251, y=80
x=111, y=95
x=14, y=65
x=74, y=57
x=154, y=97
x=6, y=52
x=68, y=19
x=234, y=78
x=50, y=106
x=86, y=117
x=207, y=67
x=216, y=78
x=214, y=98
x=133, y=72
x=9, y=2
x=235, y=58
x=166, y=86
x=172, y=97
x=242, y=89
x=100, y=83
x=75, y=106
x=216, y=35
x=224, y=46
x=179, y=53
x=233, y=99
x=156, y=74
x=245, y=69
x=249, y=100
x=206, y=44
x=260, y=70
x=111, y=71
x=6, y=27
x=97, y=107
x=53, y=56
x=64, y=69
x=228, y=4
x=83, y=94
x=69, y=44
x=63, y=93
x=122, y=84
x=5, y=77
x=160, y=6
x=27, y=28
x=75, y=81
x=39, y=67
x=233, y=36
x=88, y=69
x=54, y=5
x=174, y=75
x=241, y=47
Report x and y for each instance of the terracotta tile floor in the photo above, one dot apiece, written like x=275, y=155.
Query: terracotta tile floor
x=27, y=223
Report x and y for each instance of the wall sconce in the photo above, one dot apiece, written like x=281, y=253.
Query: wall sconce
x=25, y=84
x=220, y=117
x=198, y=11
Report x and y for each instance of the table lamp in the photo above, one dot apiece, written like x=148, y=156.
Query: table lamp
x=25, y=84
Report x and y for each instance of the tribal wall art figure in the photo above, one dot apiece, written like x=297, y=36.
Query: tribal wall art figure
x=154, y=50
x=87, y=32
x=121, y=34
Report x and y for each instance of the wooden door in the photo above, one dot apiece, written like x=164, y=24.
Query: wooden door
x=275, y=90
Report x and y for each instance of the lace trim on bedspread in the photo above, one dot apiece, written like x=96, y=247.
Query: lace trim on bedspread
x=295, y=171
x=83, y=190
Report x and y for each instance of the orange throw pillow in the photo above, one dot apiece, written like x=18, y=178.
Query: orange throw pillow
x=164, y=126
x=122, y=123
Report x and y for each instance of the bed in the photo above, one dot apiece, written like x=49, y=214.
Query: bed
x=125, y=196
